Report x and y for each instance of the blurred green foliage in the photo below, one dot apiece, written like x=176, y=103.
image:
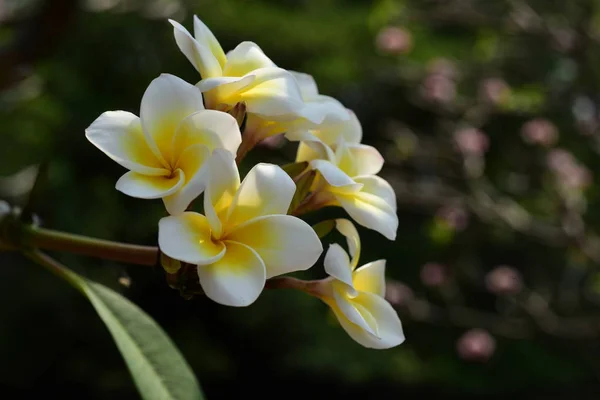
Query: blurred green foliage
x=105, y=56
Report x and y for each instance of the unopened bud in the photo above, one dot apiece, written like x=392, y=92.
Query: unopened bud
x=476, y=345
x=504, y=280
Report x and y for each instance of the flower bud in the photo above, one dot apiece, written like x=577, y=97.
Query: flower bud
x=504, y=280
x=476, y=345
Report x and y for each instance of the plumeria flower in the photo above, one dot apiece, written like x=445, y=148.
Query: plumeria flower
x=167, y=147
x=356, y=295
x=273, y=96
x=244, y=237
x=347, y=178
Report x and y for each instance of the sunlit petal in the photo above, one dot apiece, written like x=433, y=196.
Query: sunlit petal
x=367, y=160
x=187, y=238
x=245, y=58
x=284, y=243
x=222, y=183
x=335, y=176
x=213, y=129
x=370, y=278
x=237, y=279
x=205, y=37
x=149, y=187
x=119, y=135
x=347, y=228
x=370, y=211
x=307, y=85
x=337, y=264
x=389, y=327
x=166, y=102
x=266, y=190
x=379, y=187
x=193, y=164
x=353, y=311
x=200, y=54
x=350, y=130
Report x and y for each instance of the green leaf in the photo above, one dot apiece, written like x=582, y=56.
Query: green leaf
x=295, y=169
x=159, y=370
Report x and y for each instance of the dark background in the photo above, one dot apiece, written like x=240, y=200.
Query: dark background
x=446, y=90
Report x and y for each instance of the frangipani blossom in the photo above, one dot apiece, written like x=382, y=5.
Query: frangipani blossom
x=356, y=295
x=167, y=147
x=273, y=97
x=245, y=236
x=347, y=178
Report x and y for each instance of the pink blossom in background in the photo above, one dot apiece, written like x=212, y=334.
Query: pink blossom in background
x=394, y=40
x=433, y=274
x=455, y=216
x=471, y=141
x=539, y=131
x=398, y=293
x=504, y=280
x=494, y=90
x=476, y=345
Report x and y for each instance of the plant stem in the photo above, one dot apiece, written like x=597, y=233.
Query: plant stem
x=314, y=288
x=60, y=241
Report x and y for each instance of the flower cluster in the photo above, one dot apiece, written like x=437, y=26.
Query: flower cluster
x=187, y=142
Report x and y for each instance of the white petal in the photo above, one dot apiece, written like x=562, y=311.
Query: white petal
x=284, y=243
x=370, y=278
x=325, y=109
x=199, y=54
x=350, y=130
x=379, y=187
x=337, y=264
x=237, y=279
x=229, y=85
x=368, y=161
x=205, y=37
x=335, y=176
x=192, y=162
x=119, y=135
x=245, y=58
x=389, y=327
x=266, y=190
x=187, y=238
x=149, y=187
x=354, y=312
x=274, y=92
x=307, y=84
x=370, y=211
x=167, y=101
x=347, y=228
x=214, y=129
x=222, y=184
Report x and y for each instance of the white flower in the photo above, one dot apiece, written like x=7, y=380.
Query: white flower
x=347, y=177
x=245, y=236
x=276, y=100
x=356, y=295
x=166, y=148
